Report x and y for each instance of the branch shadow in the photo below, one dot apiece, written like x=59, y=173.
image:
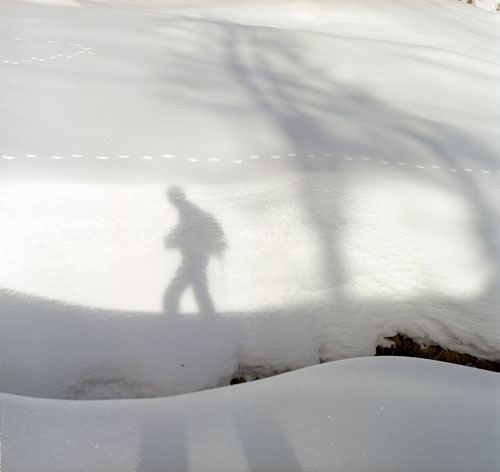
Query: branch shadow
x=316, y=113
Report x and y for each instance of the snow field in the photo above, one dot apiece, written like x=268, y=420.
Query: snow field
x=347, y=152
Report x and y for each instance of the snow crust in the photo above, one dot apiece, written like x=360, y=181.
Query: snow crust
x=377, y=414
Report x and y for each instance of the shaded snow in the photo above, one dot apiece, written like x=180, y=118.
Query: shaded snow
x=387, y=414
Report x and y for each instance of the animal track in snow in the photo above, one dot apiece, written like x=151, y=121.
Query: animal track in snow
x=242, y=160
x=58, y=47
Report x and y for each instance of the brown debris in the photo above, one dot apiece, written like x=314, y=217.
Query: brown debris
x=406, y=347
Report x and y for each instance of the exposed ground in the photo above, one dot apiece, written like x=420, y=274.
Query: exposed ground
x=407, y=347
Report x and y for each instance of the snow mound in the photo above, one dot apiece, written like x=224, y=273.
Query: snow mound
x=387, y=414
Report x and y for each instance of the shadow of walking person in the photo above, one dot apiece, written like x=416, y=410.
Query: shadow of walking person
x=198, y=236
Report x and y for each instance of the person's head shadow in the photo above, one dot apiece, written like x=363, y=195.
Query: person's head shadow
x=197, y=236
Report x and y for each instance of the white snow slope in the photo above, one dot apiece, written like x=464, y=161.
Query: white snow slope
x=341, y=172
x=371, y=414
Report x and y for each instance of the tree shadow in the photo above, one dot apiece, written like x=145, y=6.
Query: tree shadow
x=157, y=436
x=315, y=113
x=266, y=444
x=198, y=236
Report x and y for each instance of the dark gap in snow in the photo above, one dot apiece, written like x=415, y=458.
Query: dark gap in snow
x=403, y=345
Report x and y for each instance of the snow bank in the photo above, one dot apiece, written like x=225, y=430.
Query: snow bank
x=361, y=263
x=387, y=414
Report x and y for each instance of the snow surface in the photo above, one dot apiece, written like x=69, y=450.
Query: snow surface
x=346, y=152
x=371, y=414
x=191, y=191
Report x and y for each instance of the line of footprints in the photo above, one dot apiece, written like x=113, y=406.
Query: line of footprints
x=250, y=158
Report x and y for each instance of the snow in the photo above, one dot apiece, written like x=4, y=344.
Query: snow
x=195, y=191
x=377, y=414
x=274, y=308
x=348, y=154
x=488, y=5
